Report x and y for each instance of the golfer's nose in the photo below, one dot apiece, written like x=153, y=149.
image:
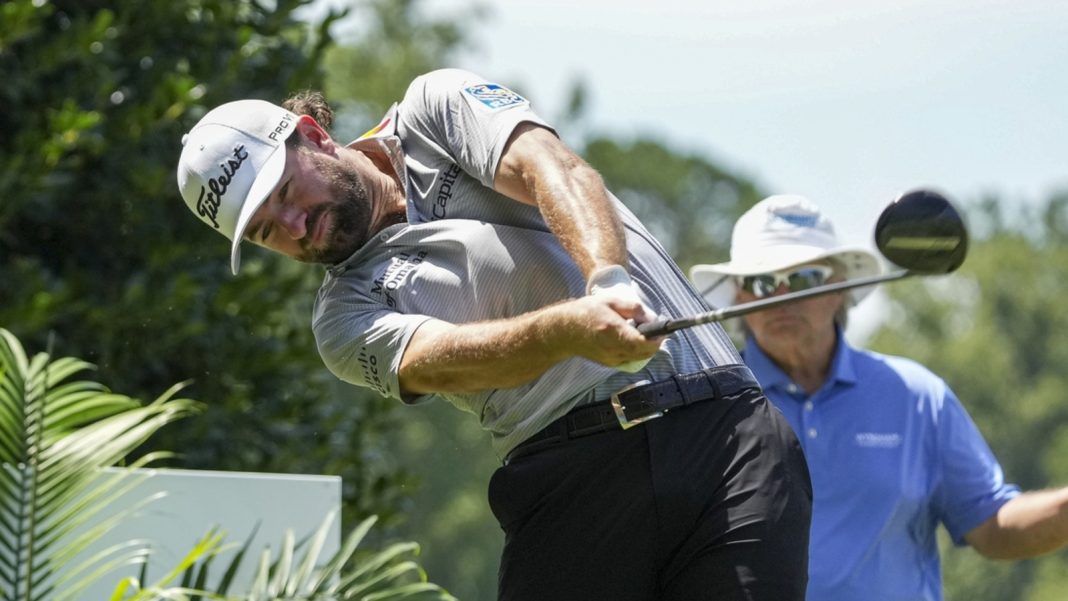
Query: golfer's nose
x=294, y=221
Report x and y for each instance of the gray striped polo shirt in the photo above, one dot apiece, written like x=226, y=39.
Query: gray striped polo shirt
x=471, y=254
x=462, y=271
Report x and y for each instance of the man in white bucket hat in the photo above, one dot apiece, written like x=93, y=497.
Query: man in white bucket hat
x=782, y=231
x=891, y=450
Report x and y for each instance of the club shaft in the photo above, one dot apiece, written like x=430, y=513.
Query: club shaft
x=666, y=326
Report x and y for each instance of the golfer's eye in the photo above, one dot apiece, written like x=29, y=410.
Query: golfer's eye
x=268, y=227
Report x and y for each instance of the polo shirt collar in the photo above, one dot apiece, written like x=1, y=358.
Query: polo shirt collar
x=383, y=138
x=771, y=375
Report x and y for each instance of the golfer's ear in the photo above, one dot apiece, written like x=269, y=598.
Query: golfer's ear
x=309, y=129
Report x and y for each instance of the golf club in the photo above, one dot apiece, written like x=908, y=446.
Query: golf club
x=920, y=231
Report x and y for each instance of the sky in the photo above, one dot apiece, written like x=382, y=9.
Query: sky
x=848, y=102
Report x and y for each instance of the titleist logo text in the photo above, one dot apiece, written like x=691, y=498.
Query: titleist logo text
x=208, y=203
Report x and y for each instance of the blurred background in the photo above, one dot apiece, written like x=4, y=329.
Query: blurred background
x=692, y=111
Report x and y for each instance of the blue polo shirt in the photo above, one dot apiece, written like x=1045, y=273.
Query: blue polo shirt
x=892, y=454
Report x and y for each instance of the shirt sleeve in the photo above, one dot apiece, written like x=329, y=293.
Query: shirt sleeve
x=362, y=343
x=973, y=484
x=469, y=117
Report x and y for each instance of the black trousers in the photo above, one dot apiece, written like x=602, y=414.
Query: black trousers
x=709, y=502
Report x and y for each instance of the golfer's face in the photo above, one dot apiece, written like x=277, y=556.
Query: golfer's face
x=790, y=321
x=318, y=212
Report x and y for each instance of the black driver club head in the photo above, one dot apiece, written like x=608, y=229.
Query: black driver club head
x=923, y=233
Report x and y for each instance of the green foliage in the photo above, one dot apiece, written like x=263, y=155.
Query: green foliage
x=129, y=589
x=299, y=573
x=56, y=435
x=386, y=574
x=689, y=203
x=994, y=331
x=449, y=512
x=97, y=246
x=370, y=69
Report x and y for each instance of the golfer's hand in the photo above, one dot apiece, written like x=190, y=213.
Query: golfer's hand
x=613, y=284
x=594, y=327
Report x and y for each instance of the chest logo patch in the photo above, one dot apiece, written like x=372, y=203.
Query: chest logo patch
x=394, y=275
x=494, y=96
x=878, y=440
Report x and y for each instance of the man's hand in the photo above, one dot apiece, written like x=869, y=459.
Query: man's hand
x=613, y=284
x=594, y=327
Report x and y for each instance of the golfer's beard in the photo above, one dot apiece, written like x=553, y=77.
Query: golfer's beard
x=349, y=214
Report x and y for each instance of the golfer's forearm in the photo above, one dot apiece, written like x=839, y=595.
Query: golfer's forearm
x=448, y=358
x=578, y=210
x=540, y=170
x=1032, y=524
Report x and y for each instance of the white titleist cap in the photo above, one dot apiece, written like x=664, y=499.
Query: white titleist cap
x=231, y=161
x=779, y=232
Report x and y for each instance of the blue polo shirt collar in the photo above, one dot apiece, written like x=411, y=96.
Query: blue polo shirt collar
x=842, y=368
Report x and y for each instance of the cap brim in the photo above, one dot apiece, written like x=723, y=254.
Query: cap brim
x=714, y=284
x=266, y=180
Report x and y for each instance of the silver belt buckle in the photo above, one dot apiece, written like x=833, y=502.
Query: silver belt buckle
x=620, y=410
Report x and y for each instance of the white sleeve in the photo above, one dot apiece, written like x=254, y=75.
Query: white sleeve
x=469, y=117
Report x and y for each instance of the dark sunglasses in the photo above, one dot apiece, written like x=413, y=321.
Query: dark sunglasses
x=795, y=280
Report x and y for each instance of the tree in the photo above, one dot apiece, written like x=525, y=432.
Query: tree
x=685, y=199
x=55, y=436
x=369, y=71
x=97, y=247
x=993, y=331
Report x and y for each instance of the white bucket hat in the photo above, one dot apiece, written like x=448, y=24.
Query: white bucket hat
x=780, y=232
x=231, y=161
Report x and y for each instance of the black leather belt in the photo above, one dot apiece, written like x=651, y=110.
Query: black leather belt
x=639, y=403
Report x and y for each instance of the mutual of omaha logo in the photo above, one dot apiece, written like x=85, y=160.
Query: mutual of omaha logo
x=398, y=269
x=494, y=96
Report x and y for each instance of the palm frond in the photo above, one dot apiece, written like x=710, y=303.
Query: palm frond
x=59, y=435
x=386, y=575
x=56, y=435
x=210, y=545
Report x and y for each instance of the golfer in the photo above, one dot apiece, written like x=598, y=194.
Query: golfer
x=892, y=452
x=471, y=256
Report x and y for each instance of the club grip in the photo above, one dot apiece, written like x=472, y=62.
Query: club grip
x=652, y=329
